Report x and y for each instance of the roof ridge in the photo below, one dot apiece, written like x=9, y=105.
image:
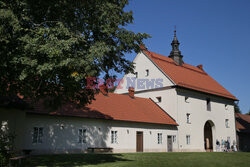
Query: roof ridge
x=204, y=73
x=181, y=83
x=188, y=76
x=128, y=96
x=165, y=112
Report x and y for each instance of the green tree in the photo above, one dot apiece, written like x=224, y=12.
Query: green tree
x=248, y=113
x=237, y=108
x=49, y=48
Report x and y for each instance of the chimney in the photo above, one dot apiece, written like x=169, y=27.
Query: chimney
x=200, y=67
x=131, y=92
x=103, y=89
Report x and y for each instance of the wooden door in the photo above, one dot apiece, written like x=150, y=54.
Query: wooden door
x=170, y=144
x=139, y=141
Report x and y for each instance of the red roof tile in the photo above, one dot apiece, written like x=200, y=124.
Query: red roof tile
x=188, y=76
x=242, y=122
x=114, y=107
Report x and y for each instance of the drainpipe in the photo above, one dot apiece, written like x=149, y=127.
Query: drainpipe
x=177, y=115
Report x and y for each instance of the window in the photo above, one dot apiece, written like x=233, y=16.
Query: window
x=188, y=118
x=227, y=123
x=188, y=139
x=37, y=135
x=136, y=74
x=226, y=107
x=113, y=137
x=82, y=136
x=174, y=138
x=186, y=99
x=147, y=72
x=208, y=104
x=158, y=99
x=159, y=138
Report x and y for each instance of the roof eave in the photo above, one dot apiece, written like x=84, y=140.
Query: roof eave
x=232, y=98
x=75, y=116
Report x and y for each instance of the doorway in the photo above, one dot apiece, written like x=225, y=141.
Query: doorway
x=139, y=141
x=208, y=136
x=170, y=144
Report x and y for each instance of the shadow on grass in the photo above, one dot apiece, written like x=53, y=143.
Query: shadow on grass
x=72, y=159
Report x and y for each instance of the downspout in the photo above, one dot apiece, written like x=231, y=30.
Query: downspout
x=177, y=115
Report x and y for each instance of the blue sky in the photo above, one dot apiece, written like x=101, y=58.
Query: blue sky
x=215, y=33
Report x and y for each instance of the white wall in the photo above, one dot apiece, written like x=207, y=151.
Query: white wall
x=173, y=102
x=168, y=97
x=142, y=62
x=57, y=139
x=196, y=106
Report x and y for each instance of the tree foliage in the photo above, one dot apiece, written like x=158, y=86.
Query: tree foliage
x=248, y=113
x=236, y=108
x=49, y=48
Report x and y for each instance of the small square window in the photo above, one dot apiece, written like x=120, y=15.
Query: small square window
x=208, y=104
x=188, y=139
x=186, y=99
x=158, y=99
x=147, y=72
x=136, y=74
x=174, y=138
x=226, y=107
x=227, y=123
x=188, y=118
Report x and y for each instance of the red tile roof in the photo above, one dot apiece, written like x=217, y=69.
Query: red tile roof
x=242, y=122
x=114, y=107
x=188, y=76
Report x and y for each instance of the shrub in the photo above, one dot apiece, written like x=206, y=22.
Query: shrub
x=6, y=144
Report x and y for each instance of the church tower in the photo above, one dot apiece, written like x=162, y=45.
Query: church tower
x=175, y=54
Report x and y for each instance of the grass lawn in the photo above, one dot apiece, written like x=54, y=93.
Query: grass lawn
x=143, y=159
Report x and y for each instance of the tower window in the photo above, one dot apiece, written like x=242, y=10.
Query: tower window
x=208, y=104
x=175, y=47
x=147, y=72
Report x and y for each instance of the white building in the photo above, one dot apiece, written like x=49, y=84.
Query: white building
x=203, y=109
x=173, y=107
x=122, y=122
